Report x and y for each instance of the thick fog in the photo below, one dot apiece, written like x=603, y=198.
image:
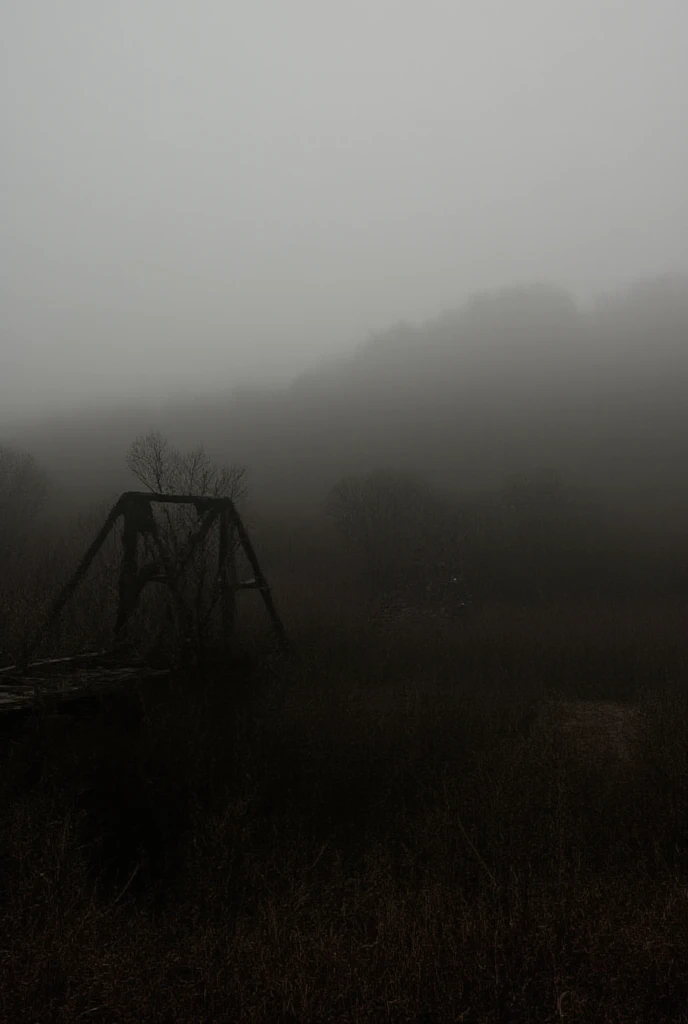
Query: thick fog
x=200, y=195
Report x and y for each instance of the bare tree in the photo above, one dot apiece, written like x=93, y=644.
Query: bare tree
x=164, y=469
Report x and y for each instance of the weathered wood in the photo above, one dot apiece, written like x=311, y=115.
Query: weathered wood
x=136, y=509
x=70, y=587
x=57, y=664
x=248, y=585
x=44, y=688
x=202, y=502
x=129, y=588
x=260, y=581
x=226, y=575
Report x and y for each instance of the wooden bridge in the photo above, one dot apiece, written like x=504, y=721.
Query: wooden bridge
x=64, y=684
x=60, y=682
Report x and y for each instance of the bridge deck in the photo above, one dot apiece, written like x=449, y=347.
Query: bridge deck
x=57, y=682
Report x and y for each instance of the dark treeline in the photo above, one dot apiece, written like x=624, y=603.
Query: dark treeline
x=559, y=434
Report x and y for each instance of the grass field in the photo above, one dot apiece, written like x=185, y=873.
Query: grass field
x=480, y=823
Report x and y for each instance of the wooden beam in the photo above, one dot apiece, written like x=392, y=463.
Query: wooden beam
x=136, y=507
x=64, y=595
x=225, y=577
x=129, y=588
x=260, y=581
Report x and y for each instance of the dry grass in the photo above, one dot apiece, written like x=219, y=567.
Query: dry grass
x=363, y=832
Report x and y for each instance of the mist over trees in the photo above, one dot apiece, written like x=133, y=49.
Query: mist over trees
x=24, y=493
x=400, y=529
x=457, y=521
x=24, y=490
x=560, y=433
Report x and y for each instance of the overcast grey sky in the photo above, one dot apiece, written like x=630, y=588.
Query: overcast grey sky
x=213, y=191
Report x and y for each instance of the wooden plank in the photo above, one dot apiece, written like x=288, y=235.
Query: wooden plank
x=37, y=691
x=74, y=660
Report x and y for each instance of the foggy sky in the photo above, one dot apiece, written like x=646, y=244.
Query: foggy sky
x=204, y=193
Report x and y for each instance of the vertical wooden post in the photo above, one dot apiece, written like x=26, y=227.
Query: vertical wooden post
x=128, y=574
x=227, y=578
x=260, y=580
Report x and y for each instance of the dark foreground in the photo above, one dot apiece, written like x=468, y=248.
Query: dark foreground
x=424, y=827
